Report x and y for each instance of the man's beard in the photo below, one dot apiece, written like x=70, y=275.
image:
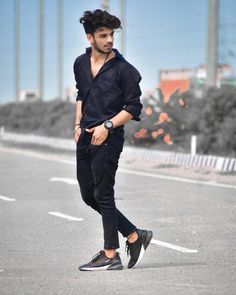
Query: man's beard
x=99, y=49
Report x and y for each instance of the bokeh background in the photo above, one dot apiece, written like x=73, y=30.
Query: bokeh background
x=174, y=44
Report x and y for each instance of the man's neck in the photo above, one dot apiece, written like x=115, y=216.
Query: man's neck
x=98, y=56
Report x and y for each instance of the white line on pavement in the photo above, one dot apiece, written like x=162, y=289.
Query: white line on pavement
x=1, y=270
x=181, y=179
x=58, y=214
x=7, y=199
x=173, y=247
x=70, y=181
x=121, y=170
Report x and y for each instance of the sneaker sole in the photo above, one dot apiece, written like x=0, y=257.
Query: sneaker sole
x=106, y=267
x=143, y=248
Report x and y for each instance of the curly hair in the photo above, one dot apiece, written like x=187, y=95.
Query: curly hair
x=92, y=20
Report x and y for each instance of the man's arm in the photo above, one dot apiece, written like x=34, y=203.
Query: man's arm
x=100, y=133
x=121, y=118
x=132, y=106
x=78, y=116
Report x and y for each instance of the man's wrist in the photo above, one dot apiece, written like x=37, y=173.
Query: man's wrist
x=108, y=124
x=76, y=129
x=76, y=124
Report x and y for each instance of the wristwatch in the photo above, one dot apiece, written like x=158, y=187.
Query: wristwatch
x=108, y=125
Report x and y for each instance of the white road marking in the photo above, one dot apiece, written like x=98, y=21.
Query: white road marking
x=68, y=217
x=1, y=270
x=172, y=246
x=128, y=171
x=70, y=181
x=7, y=199
x=181, y=179
x=120, y=170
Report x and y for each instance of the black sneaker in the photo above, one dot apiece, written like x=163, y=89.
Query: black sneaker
x=137, y=249
x=101, y=262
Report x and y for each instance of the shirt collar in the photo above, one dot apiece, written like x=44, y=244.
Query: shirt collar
x=118, y=54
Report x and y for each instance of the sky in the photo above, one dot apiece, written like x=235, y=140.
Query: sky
x=159, y=34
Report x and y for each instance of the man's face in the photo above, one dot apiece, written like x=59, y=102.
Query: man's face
x=102, y=40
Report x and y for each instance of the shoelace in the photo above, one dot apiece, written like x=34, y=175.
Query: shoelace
x=97, y=256
x=127, y=248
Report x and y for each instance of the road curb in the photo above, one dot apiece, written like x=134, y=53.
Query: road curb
x=222, y=164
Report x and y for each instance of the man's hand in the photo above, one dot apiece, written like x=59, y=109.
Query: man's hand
x=100, y=134
x=77, y=133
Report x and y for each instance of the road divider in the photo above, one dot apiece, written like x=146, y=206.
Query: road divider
x=224, y=164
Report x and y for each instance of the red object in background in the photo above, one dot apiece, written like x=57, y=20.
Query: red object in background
x=175, y=79
x=163, y=117
x=148, y=111
x=167, y=139
x=156, y=133
x=168, y=87
x=142, y=133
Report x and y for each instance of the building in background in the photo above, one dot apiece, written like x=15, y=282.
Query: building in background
x=183, y=79
x=172, y=80
x=28, y=95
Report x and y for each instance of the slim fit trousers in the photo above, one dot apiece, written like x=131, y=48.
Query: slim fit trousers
x=96, y=171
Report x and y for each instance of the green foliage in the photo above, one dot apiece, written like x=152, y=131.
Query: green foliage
x=212, y=118
x=52, y=118
x=217, y=124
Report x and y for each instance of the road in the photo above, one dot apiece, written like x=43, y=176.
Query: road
x=47, y=231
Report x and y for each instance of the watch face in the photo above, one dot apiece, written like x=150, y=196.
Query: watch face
x=108, y=124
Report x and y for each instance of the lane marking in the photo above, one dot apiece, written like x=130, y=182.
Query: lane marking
x=7, y=199
x=68, y=217
x=181, y=179
x=1, y=270
x=172, y=246
x=121, y=170
x=70, y=181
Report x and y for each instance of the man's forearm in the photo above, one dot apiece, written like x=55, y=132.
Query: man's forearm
x=78, y=112
x=121, y=118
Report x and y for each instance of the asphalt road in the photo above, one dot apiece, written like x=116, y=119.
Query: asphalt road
x=192, y=251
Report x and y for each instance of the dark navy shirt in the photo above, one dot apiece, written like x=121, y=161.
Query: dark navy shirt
x=114, y=88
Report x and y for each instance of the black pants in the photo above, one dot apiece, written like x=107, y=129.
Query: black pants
x=96, y=170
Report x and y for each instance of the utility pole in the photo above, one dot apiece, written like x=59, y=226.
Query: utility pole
x=212, y=54
x=59, y=49
x=17, y=51
x=105, y=5
x=123, y=23
x=41, y=49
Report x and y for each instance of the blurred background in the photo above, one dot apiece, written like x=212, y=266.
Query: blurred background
x=185, y=51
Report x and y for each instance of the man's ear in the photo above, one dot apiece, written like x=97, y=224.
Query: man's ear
x=90, y=38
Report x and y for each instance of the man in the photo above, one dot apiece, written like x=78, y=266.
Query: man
x=108, y=97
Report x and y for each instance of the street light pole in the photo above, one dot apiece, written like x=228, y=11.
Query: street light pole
x=41, y=49
x=123, y=23
x=60, y=49
x=105, y=5
x=17, y=51
x=212, y=59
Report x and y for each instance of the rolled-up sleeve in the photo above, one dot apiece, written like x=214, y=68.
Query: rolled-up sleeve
x=131, y=92
x=79, y=95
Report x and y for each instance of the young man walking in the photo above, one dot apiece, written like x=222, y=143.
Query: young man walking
x=108, y=97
